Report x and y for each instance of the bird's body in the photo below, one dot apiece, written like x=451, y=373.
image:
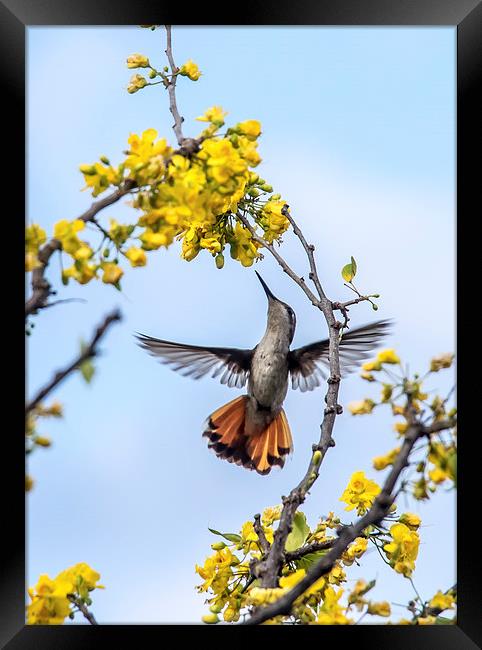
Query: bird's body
x=252, y=430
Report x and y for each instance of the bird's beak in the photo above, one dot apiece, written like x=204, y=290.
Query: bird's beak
x=266, y=288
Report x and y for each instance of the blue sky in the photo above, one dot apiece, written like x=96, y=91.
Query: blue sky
x=359, y=137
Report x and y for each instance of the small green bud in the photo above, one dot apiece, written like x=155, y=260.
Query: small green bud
x=215, y=609
x=317, y=457
x=105, y=160
x=374, y=307
x=219, y=261
x=376, y=295
x=106, y=252
x=234, y=139
x=266, y=188
x=152, y=74
x=218, y=546
x=276, y=197
x=254, y=192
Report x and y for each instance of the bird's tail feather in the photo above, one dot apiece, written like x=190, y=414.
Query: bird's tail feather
x=225, y=432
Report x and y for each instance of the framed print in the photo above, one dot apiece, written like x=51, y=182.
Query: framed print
x=241, y=397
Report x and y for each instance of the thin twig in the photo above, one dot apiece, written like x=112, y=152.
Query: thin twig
x=41, y=287
x=258, y=528
x=171, y=88
x=89, y=352
x=82, y=608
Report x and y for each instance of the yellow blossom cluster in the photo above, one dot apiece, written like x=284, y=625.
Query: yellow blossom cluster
x=194, y=199
x=32, y=437
x=402, y=550
x=360, y=493
x=35, y=236
x=233, y=591
x=52, y=600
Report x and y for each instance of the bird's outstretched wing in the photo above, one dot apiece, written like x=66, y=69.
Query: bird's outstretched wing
x=309, y=365
x=195, y=361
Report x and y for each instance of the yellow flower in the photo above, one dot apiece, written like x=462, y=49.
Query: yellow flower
x=42, y=441
x=270, y=515
x=367, y=376
x=331, y=612
x=243, y=248
x=442, y=601
x=152, y=240
x=215, y=115
x=250, y=128
x=400, y=427
x=398, y=410
x=137, y=61
x=191, y=70
x=272, y=221
x=31, y=261
x=81, y=271
x=442, y=361
x=372, y=366
x=354, y=551
x=259, y=596
x=387, y=390
x=136, y=82
x=83, y=253
x=112, y=273
x=216, y=571
x=388, y=356
x=136, y=256
x=212, y=244
x=379, y=609
x=66, y=233
x=360, y=493
x=403, y=550
x=380, y=462
x=426, y=620
x=362, y=407
x=411, y=520
x=35, y=236
x=437, y=475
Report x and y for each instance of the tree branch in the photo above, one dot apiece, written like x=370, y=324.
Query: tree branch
x=41, y=287
x=268, y=568
x=82, y=608
x=88, y=353
x=348, y=534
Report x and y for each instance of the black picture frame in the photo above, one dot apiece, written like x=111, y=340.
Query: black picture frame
x=15, y=17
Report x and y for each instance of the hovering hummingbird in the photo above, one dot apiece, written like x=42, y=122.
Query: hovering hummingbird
x=252, y=430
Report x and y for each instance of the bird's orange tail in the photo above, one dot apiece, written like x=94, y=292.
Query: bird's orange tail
x=225, y=432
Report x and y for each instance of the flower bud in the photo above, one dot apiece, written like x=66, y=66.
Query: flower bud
x=218, y=546
x=215, y=609
x=317, y=457
x=210, y=618
x=105, y=160
x=152, y=74
x=266, y=188
x=219, y=260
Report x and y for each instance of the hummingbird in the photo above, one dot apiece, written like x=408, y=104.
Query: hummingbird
x=252, y=430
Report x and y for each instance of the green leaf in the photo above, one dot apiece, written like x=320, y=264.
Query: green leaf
x=443, y=620
x=307, y=561
x=353, y=265
x=347, y=273
x=299, y=532
x=231, y=537
x=87, y=370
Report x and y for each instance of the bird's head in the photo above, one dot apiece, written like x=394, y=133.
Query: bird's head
x=280, y=315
